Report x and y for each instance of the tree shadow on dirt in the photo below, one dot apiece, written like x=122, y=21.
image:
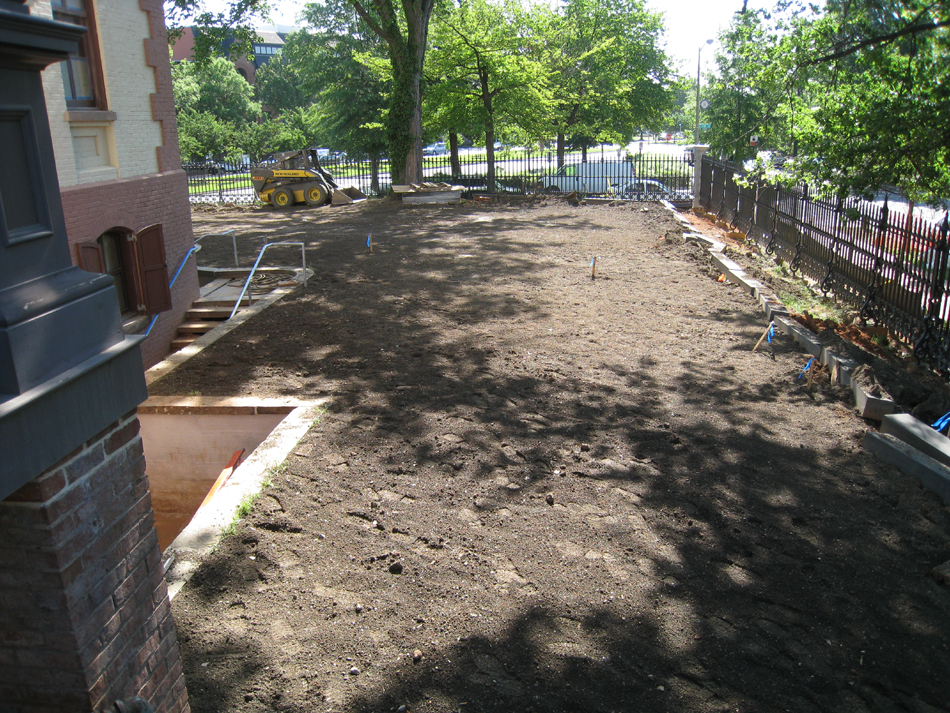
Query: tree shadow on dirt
x=728, y=556
x=754, y=573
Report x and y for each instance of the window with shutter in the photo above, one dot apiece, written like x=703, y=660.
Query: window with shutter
x=137, y=265
x=90, y=257
x=107, y=254
x=152, y=270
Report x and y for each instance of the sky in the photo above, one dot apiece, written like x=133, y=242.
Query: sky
x=689, y=23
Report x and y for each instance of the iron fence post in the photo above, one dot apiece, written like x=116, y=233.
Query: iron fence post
x=826, y=281
x=937, y=289
x=878, y=258
x=698, y=153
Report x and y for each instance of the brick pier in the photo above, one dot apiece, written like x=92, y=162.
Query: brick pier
x=84, y=612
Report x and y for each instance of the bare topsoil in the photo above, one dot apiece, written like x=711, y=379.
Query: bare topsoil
x=535, y=489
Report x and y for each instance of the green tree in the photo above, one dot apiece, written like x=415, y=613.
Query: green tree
x=883, y=117
x=744, y=102
x=609, y=73
x=279, y=85
x=487, y=69
x=857, y=89
x=202, y=134
x=344, y=65
x=216, y=88
x=405, y=34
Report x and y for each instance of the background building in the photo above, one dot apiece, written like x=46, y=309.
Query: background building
x=269, y=45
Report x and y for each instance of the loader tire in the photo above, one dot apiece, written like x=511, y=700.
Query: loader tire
x=315, y=194
x=282, y=198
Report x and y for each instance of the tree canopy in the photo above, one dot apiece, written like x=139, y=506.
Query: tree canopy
x=609, y=74
x=856, y=90
x=484, y=70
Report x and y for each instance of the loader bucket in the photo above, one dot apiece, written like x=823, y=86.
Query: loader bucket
x=343, y=196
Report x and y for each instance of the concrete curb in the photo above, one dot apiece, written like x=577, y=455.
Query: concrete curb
x=202, y=535
x=869, y=406
x=919, y=435
x=931, y=474
x=904, y=441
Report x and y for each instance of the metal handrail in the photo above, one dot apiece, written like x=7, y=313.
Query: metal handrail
x=222, y=235
x=303, y=261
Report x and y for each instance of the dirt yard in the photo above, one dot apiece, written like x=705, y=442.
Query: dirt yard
x=538, y=490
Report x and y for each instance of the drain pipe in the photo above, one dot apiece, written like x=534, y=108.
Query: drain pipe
x=191, y=252
x=247, y=282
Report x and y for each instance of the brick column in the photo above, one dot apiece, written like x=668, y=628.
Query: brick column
x=84, y=612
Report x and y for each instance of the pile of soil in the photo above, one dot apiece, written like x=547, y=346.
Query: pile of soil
x=548, y=483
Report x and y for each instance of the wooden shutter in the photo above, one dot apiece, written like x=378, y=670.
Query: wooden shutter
x=152, y=270
x=90, y=256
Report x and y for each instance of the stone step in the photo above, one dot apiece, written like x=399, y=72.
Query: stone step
x=181, y=343
x=228, y=305
x=208, y=313
x=196, y=327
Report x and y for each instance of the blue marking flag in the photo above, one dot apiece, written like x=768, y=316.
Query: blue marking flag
x=593, y=261
x=369, y=240
x=806, y=367
x=942, y=422
x=771, y=331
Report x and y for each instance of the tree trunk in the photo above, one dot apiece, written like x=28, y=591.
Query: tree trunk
x=407, y=49
x=374, y=175
x=489, y=129
x=405, y=116
x=454, y=154
x=560, y=149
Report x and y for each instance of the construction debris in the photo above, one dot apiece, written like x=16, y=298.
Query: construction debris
x=425, y=192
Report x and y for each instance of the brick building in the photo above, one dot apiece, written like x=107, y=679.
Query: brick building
x=85, y=622
x=269, y=44
x=112, y=118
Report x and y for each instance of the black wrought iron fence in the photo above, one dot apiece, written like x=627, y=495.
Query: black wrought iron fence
x=612, y=173
x=892, y=266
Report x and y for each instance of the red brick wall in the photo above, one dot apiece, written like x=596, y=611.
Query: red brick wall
x=84, y=612
x=133, y=203
x=184, y=47
x=163, y=100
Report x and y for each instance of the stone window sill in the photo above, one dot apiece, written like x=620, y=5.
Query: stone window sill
x=90, y=115
x=134, y=323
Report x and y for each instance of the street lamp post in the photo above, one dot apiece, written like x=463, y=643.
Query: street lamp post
x=699, y=54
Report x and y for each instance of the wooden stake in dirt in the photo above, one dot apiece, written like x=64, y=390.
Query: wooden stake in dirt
x=806, y=368
x=593, y=268
x=369, y=242
x=769, y=331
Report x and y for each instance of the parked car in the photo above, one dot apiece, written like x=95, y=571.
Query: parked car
x=592, y=177
x=229, y=165
x=644, y=189
x=436, y=149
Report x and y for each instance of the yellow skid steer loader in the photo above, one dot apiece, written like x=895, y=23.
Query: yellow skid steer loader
x=298, y=177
